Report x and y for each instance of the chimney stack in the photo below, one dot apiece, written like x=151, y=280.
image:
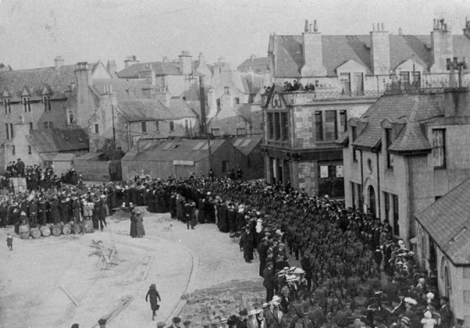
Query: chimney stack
x=83, y=75
x=466, y=30
x=380, y=50
x=186, y=63
x=129, y=61
x=202, y=99
x=312, y=52
x=442, y=47
x=59, y=62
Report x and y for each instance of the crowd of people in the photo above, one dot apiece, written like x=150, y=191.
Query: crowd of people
x=353, y=271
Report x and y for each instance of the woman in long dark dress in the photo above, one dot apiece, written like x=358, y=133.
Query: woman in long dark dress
x=154, y=299
x=133, y=231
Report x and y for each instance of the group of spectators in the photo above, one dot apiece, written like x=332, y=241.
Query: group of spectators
x=353, y=271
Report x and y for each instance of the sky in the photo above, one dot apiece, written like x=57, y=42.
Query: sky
x=34, y=32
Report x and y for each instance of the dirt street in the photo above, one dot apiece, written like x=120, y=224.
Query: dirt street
x=38, y=273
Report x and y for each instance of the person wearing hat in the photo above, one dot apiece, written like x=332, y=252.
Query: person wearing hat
x=269, y=280
x=154, y=299
x=459, y=323
x=246, y=245
x=75, y=325
x=161, y=324
x=175, y=322
x=242, y=322
x=102, y=323
x=187, y=323
x=445, y=312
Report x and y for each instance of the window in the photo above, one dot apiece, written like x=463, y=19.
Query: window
x=396, y=222
x=186, y=125
x=248, y=163
x=284, y=126
x=241, y=131
x=144, y=127
x=237, y=100
x=224, y=166
x=215, y=131
x=387, y=206
x=277, y=126
x=358, y=82
x=318, y=126
x=157, y=128
x=47, y=103
x=71, y=118
x=345, y=84
x=343, y=120
x=12, y=134
x=7, y=131
x=439, y=148
x=26, y=105
x=97, y=128
x=270, y=125
x=405, y=78
x=227, y=90
x=331, y=125
x=388, y=143
x=13, y=150
x=172, y=126
x=7, y=105
x=354, y=137
x=31, y=125
x=416, y=79
x=48, y=125
x=29, y=150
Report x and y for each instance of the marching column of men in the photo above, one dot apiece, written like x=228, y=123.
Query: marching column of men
x=354, y=271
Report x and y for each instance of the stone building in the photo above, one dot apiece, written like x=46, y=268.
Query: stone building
x=341, y=76
x=134, y=109
x=443, y=240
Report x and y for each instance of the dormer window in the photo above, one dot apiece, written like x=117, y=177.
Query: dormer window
x=26, y=104
x=7, y=105
x=47, y=103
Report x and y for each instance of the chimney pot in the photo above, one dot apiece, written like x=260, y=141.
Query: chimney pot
x=306, y=26
x=59, y=62
x=373, y=27
x=382, y=26
x=315, y=26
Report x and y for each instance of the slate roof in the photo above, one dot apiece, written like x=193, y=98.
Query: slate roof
x=35, y=79
x=145, y=110
x=448, y=223
x=253, y=63
x=337, y=49
x=411, y=139
x=185, y=151
x=180, y=109
x=160, y=69
x=246, y=144
x=58, y=140
x=413, y=107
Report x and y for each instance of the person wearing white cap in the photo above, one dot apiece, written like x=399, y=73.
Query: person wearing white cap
x=251, y=322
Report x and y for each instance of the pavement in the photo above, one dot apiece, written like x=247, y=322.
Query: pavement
x=39, y=274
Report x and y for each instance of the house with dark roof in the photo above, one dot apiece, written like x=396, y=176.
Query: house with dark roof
x=321, y=81
x=405, y=152
x=46, y=146
x=254, y=161
x=178, y=77
x=183, y=157
x=258, y=65
x=443, y=236
x=133, y=109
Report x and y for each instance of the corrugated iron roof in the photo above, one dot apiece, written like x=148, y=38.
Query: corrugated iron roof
x=246, y=144
x=448, y=223
x=172, y=150
x=58, y=140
